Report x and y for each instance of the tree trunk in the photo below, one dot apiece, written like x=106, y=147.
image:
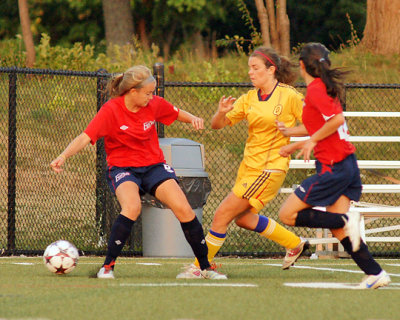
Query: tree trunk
x=118, y=22
x=199, y=47
x=273, y=25
x=214, y=51
x=168, y=40
x=284, y=27
x=144, y=39
x=382, y=29
x=27, y=33
x=264, y=26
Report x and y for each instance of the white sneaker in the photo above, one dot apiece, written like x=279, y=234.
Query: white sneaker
x=213, y=275
x=193, y=272
x=352, y=229
x=373, y=282
x=293, y=254
x=190, y=272
x=105, y=273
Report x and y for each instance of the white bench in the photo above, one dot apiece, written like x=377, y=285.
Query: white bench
x=369, y=212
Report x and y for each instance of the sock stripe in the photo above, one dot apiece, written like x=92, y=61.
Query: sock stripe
x=270, y=228
x=217, y=235
x=214, y=240
x=262, y=224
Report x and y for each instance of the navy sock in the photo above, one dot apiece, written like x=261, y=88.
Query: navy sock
x=120, y=232
x=194, y=234
x=319, y=219
x=362, y=257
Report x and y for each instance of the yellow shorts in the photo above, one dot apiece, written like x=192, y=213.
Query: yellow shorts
x=259, y=187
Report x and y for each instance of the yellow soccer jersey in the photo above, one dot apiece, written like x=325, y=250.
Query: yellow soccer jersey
x=264, y=141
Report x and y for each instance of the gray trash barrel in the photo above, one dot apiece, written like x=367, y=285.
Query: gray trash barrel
x=162, y=234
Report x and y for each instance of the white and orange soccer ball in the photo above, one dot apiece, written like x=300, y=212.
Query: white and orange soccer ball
x=61, y=257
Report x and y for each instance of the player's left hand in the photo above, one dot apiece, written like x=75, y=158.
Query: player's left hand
x=282, y=128
x=198, y=123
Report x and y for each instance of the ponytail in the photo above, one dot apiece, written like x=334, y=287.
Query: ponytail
x=315, y=57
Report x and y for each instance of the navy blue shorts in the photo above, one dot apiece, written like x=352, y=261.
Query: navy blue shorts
x=330, y=182
x=147, y=178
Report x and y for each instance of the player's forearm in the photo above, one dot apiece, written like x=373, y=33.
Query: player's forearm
x=76, y=145
x=219, y=120
x=185, y=116
x=298, y=131
x=328, y=128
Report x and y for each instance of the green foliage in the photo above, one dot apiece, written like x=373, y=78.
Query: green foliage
x=12, y=53
x=323, y=21
x=187, y=5
x=240, y=41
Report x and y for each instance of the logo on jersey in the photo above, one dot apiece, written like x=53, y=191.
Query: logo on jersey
x=121, y=175
x=124, y=127
x=147, y=125
x=278, y=110
x=176, y=109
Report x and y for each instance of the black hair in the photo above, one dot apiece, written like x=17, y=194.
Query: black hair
x=315, y=57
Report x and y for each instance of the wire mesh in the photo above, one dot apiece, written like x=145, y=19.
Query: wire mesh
x=43, y=110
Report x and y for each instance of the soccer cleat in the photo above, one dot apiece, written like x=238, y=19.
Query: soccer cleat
x=375, y=281
x=210, y=273
x=105, y=273
x=352, y=229
x=293, y=254
x=193, y=272
x=190, y=272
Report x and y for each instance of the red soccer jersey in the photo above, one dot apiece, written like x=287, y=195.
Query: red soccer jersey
x=130, y=138
x=319, y=107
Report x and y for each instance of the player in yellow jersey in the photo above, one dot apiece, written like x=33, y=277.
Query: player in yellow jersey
x=262, y=170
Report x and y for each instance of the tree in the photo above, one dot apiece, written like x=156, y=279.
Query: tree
x=274, y=24
x=27, y=33
x=118, y=22
x=382, y=29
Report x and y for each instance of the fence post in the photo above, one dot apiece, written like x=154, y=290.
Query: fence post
x=101, y=201
x=12, y=155
x=158, y=70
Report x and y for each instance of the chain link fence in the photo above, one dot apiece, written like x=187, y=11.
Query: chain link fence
x=43, y=110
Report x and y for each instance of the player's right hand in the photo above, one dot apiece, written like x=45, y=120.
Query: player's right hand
x=226, y=104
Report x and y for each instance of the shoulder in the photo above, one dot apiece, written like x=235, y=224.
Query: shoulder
x=111, y=105
x=290, y=91
x=158, y=101
x=251, y=94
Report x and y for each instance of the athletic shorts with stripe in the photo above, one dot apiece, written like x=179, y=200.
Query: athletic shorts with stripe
x=330, y=182
x=257, y=186
x=147, y=178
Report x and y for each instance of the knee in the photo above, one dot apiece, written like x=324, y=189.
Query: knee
x=183, y=211
x=132, y=210
x=220, y=219
x=285, y=216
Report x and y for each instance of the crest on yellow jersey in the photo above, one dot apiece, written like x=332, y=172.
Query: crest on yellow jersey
x=278, y=110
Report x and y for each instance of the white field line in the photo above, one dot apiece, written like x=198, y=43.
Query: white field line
x=186, y=284
x=326, y=269
x=335, y=285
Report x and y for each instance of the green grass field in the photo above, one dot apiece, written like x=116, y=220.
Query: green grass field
x=146, y=288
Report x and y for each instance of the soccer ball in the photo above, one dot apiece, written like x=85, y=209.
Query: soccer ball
x=61, y=257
